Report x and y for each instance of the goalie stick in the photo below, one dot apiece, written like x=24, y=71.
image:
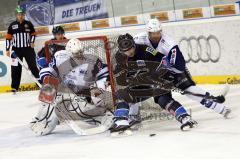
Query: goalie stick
x=66, y=117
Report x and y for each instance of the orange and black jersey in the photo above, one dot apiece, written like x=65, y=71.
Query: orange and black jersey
x=20, y=35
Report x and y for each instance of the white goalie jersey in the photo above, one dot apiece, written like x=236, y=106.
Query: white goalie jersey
x=77, y=74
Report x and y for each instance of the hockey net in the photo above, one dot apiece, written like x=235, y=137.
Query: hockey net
x=105, y=47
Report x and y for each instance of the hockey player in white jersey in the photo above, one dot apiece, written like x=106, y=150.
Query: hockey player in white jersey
x=154, y=37
x=74, y=87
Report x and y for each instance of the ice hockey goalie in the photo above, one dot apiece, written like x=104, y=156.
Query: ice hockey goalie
x=74, y=89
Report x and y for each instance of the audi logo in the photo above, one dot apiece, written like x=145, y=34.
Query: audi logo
x=201, y=48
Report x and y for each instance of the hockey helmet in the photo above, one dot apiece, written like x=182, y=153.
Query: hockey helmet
x=58, y=30
x=125, y=42
x=154, y=25
x=75, y=47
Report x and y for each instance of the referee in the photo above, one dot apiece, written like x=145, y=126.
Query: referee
x=21, y=35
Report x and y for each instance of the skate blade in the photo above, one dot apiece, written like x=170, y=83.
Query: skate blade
x=188, y=127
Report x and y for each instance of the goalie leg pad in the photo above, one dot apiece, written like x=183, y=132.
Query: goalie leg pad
x=45, y=121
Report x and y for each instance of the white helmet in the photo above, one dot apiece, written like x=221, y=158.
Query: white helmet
x=154, y=25
x=74, y=46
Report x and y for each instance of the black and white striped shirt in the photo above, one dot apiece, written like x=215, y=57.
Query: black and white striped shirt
x=20, y=35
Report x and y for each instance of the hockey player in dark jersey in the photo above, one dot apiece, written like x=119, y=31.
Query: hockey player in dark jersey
x=58, y=34
x=157, y=39
x=145, y=73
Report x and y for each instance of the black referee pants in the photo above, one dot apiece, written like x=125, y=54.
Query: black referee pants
x=16, y=71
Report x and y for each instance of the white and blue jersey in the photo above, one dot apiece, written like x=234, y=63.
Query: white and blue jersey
x=167, y=46
x=77, y=74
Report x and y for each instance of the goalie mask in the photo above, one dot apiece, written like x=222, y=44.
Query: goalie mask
x=75, y=47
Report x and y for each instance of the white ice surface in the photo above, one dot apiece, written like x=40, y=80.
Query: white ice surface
x=214, y=138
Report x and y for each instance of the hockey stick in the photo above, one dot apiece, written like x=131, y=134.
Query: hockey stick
x=75, y=126
x=169, y=86
x=218, y=99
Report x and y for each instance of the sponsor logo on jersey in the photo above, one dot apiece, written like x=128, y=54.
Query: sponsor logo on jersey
x=15, y=26
x=151, y=50
x=164, y=42
x=173, y=56
x=141, y=63
x=81, y=71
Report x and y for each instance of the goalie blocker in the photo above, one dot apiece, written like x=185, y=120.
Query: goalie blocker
x=49, y=90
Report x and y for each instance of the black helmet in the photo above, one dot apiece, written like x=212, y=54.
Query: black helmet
x=125, y=42
x=58, y=30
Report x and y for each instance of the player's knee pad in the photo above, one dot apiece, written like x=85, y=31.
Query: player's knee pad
x=172, y=106
x=177, y=110
x=163, y=100
x=45, y=121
